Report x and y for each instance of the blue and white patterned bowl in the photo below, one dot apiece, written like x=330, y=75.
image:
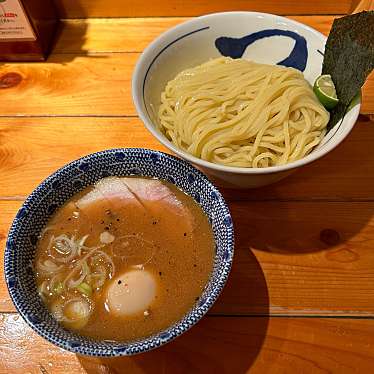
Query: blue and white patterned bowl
x=260, y=37
x=64, y=183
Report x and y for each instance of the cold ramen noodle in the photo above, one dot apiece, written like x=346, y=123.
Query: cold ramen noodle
x=124, y=259
x=240, y=113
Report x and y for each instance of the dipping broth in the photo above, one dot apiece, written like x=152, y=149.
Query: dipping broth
x=124, y=259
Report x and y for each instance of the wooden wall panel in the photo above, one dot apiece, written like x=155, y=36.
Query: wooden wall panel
x=134, y=8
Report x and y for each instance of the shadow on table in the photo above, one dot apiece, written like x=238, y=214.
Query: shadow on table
x=269, y=219
x=220, y=343
x=68, y=45
x=299, y=227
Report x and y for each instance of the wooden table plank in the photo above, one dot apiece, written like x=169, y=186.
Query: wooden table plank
x=302, y=263
x=214, y=345
x=130, y=8
x=92, y=35
x=71, y=86
x=285, y=263
x=77, y=85
x=33, y=148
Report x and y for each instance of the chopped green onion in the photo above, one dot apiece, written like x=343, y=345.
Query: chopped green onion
x=85, y=289
x=58, y=288
x=85, y=267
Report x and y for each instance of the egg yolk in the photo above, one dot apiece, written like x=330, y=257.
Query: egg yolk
x=131, y=293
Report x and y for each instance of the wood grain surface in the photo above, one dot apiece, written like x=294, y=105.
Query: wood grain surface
x=80, y=36
x=215, y=345
x=360, y=5
x=32, y=148
x=133, y=8
x=80, y=83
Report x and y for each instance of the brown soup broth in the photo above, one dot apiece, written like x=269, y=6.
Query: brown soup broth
x=169, y=237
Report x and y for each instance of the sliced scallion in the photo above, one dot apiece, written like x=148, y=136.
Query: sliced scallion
x=85, y=288
x=59, y=287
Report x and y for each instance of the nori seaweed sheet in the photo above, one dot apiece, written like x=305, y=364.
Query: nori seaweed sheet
x=349, y=58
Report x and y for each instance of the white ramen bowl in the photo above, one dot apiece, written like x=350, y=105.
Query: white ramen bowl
x=260, y=37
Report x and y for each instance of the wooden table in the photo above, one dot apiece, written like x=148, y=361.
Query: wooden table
x=300, y=298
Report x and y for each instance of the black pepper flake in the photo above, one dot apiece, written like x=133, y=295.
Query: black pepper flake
x=119, y=282
x=194, y=265
x=117, y=219
x=197, y=298
x=167, y=290
x=160, y=273
x=106, y=228
x=185, y=234
x=154, y=223
x=69, y=219
x=102, y=222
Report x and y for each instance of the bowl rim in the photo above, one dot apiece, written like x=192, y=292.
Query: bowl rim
x=155, y=48
x=179, y=327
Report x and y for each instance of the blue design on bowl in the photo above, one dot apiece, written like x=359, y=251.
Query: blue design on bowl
x=56, y=185
x=227, y=255
x=51, y=208
x=120, y=156
x=33, y=239
x=164, y=335
x=105, y=173
x=121, y=349
x=235, y=47
x=78, y=184
x=170, y=179
x=155, y=158
x=75, y=344
x=84, y=166
x=197, y=197
x=228, y=221
x=191, y=178
x=21, y=213
x=11, y=282
x=34, y=319
x=164, y=49
x=10, y=244
x=43, y=201
x=214, y=196
x=135, y=172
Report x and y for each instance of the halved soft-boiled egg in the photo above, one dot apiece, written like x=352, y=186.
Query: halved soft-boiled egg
x=131, y=293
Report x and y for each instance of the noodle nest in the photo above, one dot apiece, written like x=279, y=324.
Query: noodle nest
x=240, y=113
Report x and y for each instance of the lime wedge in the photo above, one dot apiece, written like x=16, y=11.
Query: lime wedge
x=324, y=89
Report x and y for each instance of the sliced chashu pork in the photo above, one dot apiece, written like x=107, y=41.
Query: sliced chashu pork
x=110, y=189
x=149, y=194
